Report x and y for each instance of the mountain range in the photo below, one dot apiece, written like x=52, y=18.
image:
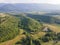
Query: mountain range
x=21, y=7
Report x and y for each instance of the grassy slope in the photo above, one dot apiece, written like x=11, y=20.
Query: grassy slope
x=54, y=27
x=29, y=24
x=39, y=34
x=13, y=41
x=20, y=36
x=8, y=28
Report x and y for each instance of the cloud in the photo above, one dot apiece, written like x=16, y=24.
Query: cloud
x=31, y=1
x=20, y=1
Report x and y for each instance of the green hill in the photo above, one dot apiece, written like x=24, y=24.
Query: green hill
x=29, y=24
x=8, y=28
x=21, y=29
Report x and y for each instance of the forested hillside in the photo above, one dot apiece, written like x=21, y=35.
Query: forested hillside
x=29, y=24
x=11, y=25
x=29, y=29
x=8, y=27
x=46, y=18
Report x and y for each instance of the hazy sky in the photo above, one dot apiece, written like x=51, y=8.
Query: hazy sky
x=31, y=1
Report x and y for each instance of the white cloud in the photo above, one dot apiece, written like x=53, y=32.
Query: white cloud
x=31, y=1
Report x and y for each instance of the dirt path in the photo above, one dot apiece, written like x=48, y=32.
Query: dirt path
x=13, y=41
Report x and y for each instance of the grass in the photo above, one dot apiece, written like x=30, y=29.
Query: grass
x=13, y=41
x=38, y=35
x=20, y=36
x=53, y=27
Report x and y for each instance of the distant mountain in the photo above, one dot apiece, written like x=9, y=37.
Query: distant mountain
x=1, y=4
x=8, y=8
x=19, y=7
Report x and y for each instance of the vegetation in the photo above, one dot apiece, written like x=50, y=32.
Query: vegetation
x=8, y=28
x=29, y=30
x=46, y=18
x=29, y=40
x=29, y=24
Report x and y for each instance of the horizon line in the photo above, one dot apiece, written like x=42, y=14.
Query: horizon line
x=29, y=3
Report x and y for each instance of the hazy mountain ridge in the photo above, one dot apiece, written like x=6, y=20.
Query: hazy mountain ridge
x=19, y=7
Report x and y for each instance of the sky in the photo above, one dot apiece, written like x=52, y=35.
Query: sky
x=31, y=1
